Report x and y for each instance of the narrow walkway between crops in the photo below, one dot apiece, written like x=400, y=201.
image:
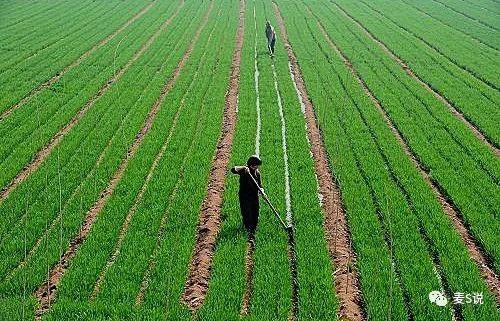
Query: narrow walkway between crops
x=336, y=229
x=159, y=155
x=47, y=291
x=454, y=111
x=200, y=267
x=75, y=63
x=475, y=250
x=250, y=249
x=39, y=158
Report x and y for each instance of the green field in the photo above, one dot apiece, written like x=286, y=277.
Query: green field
x=377, y=123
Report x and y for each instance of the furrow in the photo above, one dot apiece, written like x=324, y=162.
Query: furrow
x=474, y=248
x=57, y=138
x=86, y=54
x=257, y=99
x=453, y=109
x=336, y=229
x=199, y=271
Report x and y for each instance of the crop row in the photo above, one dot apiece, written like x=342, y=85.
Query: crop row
x=156, y=212
x=24, y=13
x=24, y=42
x=452, y=19
x=271, y=287
x=406, y=208
x=484, y=11
x=462, y=166
x=476, y=58
x=434, y=68
x=42, y=59
x=92, y=150
x=11, y=205
x=43, y=116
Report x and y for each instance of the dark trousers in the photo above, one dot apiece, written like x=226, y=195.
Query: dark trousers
x=270, y=44
x=250, y=213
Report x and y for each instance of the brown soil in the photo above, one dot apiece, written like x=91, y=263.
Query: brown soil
x=485, y=267
x=249, y=264
x=454, y=111
x=199, y=272
x=45, y=294
x=75, y=63
x=57, y=138
x=336, y=228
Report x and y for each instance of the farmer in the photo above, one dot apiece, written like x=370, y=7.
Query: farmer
x=249, y=193
x=271, y=37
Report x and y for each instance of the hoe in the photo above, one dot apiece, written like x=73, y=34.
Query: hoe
x=288, y=228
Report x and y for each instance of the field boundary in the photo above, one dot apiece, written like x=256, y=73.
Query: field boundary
x=454, y=110
x=473, y=246
x=336, y=228
x=75, y=63
x=196, y=284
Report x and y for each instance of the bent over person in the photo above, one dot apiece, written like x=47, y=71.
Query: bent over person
x=249, y=193
x=271, y=37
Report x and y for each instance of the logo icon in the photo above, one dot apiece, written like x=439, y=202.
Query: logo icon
x=438, y=298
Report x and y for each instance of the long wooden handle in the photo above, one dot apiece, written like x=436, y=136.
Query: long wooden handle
x=269, y=202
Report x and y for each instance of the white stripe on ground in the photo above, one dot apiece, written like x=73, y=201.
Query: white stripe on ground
x=299, y=96
x=289, y=219
x=257, y=99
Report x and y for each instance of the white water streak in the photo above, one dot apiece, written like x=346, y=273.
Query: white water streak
x=257, y=99
x=299, y=96
x=288, y=204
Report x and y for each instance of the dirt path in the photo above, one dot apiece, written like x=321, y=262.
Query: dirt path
x=336, y=229
x=40, y=157
x=47, y=291
x=199, y=271
x=475, y=251
x=75, y=63
x=454, y=111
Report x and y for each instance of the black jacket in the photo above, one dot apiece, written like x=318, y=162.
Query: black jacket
x=248, y=190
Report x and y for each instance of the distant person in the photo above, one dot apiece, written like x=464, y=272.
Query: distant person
x=271, y=37
x=249, y=192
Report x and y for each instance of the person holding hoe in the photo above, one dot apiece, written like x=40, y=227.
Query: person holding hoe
x=249, y=191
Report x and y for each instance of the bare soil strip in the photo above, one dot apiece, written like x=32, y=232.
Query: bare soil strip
x=454, y=111
x=75, y=63
x=199, y=272
x=57, y=138
x=138, y=198
x=336, y=228
x=249, y=264
x=47, y=291
x=473, y=246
